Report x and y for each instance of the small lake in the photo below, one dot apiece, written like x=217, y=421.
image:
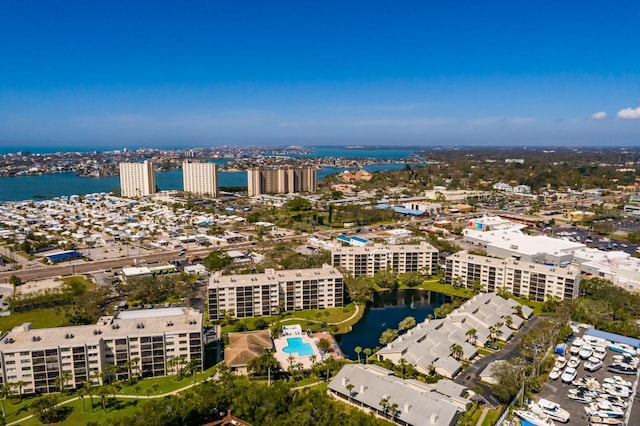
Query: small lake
x=386, y=311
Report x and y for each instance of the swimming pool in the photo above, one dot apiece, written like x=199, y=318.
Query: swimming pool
x=297, y=346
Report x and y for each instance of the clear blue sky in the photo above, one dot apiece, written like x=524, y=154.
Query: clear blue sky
x=143, y=73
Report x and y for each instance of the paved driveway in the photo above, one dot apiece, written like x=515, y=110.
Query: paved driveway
x=471, y=376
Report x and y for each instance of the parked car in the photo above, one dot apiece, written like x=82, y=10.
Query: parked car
x=490, y=345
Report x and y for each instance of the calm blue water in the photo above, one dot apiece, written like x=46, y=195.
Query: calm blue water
x=17, y=188
x=387, y=310
x=297, y=346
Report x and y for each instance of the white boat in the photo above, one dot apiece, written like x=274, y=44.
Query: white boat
x=555, y=373
x=574, y=362
x=576, y=346
x=620, y=381
x=553, y=410
x=582, y=398
x=569, y=374
x=561, y=362
x=613, y=400
x=600, y=352
x=592, y=364
x=623, y=349
x=596, y=420
x=534, y=419
x=621, y=391
x=625, y=359
x=586, y=351
x=623, y=369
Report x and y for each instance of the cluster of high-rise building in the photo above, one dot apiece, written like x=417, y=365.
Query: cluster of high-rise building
x=281, y=180
x=138, y=179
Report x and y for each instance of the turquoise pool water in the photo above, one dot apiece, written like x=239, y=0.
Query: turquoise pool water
x=297, y=346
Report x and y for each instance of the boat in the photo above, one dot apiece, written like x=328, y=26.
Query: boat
x=613, y=400
x=594, y=409
x=586, y=351
x=561, y=362
x=622, y=369
x=576, y=346
x=574, y=362
x=623, y=349
x=552, y=410
x=618, y=381
x=600, y=352
x=596, y=420
x=555, y=373
x=569, y=374
x=583, y=398
x=625, y=359
x=534, y=418
x=620, y=391
x=593, y=364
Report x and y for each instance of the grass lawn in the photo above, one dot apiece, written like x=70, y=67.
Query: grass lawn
x=330, y=315
x=17, y=410
x=492, y=417
x=78, y=416
x=164, y=384
x=39, y=318
x=536, y=306
x=434, y=285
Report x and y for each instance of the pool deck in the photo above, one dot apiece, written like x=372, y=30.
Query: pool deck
x=283, y=357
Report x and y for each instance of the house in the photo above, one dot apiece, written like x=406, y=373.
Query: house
x=405, y=402
x=245, y=347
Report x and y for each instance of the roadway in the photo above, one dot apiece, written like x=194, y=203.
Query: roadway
x=71, y=268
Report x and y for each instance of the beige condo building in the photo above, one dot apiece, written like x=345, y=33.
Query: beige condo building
x=200, y=178
x=137, y=179
x=283, y=180
x=146, y=343
x=254, y=295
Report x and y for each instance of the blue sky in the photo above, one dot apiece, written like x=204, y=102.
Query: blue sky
x=205, y=73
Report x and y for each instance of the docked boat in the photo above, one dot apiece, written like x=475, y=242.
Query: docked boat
x=603, y=410
x=596, y=420
x=576, y=346
x=623, y=349
x=586, y=351
x=619, y=391
x=569, y=374
x=617, y=380
x=561, y=362
x=623, y=369
x=581, y=397
x=555, y=373
x=534, y=418
x=613, y=400
x=593, y=364
x=574, y=362
x=600, y=352
x=552, y=410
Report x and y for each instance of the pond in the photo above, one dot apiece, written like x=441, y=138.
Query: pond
x=386, y=311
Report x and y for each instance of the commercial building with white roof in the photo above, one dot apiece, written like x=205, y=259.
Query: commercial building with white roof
x=408, y=402
x=133, y=343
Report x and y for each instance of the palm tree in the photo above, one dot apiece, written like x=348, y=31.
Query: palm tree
x=472, y=333
x=20, y=384
x=508, y=321
x=394, y=410
x=518, y=310
x=367, y=353
x=456, y=351
x=148, y=392
x=137, y=389
x=155, y=388
x=82, y=393
x=88, y=387
x=5, y=391
x=350, y=387
x=384, y=403
x=358, y=350
x=431, y=369
x=192, y=367
x=313, y=359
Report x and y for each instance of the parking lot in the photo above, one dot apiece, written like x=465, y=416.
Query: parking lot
x=557, y=391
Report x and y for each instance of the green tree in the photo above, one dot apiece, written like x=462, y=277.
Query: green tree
x=217, y=260
x=298, y=204
x=386, y=278
x=324, y=345
x=15, y=280
x=261, y=365
x=411, y=279
x=388, y=336
x=46, y=410
x=367, y=354
x=456, y=351
x=358, y=351
x=407, y=323
x=472, y=333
